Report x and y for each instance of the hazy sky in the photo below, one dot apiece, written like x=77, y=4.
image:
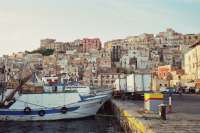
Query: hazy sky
x=24, y=22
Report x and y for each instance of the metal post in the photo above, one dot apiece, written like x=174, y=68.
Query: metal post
x=134, y=81
x=119, y=83
x=170, y=104
x=100, y=80
x=162, y=111
x=197, y=65
x=143, y=82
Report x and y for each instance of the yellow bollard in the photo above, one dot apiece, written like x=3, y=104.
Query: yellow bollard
x=152, y=100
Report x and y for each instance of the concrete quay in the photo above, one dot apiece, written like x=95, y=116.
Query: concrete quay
x=185, y=117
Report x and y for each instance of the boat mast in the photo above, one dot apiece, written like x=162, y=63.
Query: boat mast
x=4, y=79
x=18, y=88
x=56, y=63
x=2, y=82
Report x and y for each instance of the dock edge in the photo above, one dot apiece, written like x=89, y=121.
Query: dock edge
x=129, y=123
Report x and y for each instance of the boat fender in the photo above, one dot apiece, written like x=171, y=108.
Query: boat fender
x=41, y=113
x=63, y=110
x=27, y=110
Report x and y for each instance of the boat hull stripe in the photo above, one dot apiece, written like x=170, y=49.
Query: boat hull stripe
x=34, y=112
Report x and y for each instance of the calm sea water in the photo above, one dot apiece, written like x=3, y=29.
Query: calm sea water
x=97, y=124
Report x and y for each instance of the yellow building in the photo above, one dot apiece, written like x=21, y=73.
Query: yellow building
x=108, y=45
x=158, y=84
x=192, y=62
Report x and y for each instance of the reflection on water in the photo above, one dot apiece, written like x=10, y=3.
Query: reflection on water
x=88, y=125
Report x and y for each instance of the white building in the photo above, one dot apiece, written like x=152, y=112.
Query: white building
x=34, y=60
x=136, y=59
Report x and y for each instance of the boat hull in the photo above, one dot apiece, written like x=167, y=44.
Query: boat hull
x=81, y=109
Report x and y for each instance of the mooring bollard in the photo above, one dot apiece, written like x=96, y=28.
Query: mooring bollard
x=162, y=111
x=170, y=105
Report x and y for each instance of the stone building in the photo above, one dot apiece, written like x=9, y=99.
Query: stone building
x=169, y=38
x=34, y=60
x=190, y=39
x=47, y=43
x=143, y=39
x=136, y=59
x=192, y=62
x=117, y=42
x=102, y=79
x=116, y=53
x=59, y=47
x=170, y=56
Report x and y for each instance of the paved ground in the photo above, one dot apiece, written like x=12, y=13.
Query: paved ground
x=189, y=104
x=184, y=119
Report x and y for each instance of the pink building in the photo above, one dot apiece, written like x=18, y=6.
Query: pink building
x=88, y=44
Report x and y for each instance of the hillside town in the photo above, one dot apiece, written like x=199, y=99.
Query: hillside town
x=96, y=66
x=150, y=79
x=170, y=57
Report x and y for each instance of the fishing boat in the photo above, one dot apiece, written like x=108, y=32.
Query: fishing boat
x=51, y=102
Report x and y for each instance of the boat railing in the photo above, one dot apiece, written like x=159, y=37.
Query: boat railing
x=48, y=92
x=100, y=90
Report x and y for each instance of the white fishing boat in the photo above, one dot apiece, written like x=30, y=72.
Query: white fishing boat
x=54, y=102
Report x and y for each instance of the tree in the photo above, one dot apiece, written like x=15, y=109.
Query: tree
x=44, y=52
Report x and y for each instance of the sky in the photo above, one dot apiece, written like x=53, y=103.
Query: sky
x=24, y=22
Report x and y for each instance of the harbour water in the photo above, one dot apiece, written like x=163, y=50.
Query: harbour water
x=96, y=124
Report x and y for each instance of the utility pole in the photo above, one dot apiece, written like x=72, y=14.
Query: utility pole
x=134, y=81
x=2, y=82
x=56, y=63
x=143, y=82
x=197, y=65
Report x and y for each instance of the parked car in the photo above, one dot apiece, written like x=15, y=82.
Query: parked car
x=168, y=90
x=172, y=90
